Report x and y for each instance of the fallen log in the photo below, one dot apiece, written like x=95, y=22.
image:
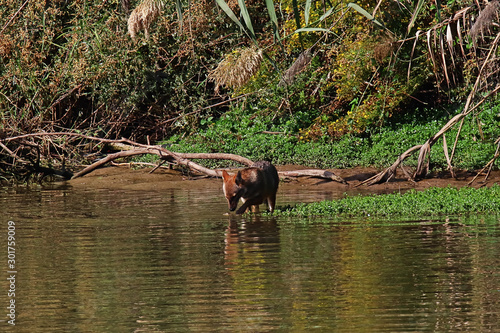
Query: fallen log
x=325, y=174
x=162, y=152
x=128, y=148
x=184, y=159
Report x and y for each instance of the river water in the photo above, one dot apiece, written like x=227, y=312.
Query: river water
x=118, y=260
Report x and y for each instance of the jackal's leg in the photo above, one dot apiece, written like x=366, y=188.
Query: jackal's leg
x=244, y=207
x=271, y=201
x=251, y=204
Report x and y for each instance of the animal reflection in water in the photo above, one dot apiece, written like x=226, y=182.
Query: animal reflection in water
x=249, y=241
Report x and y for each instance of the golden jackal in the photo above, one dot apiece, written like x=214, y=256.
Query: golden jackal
x=252, y=185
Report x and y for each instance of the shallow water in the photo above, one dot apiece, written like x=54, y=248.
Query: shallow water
x=170, y=261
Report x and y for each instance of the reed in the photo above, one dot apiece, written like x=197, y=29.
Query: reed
x=142, y=17
x=485, y=19
x=237, y=68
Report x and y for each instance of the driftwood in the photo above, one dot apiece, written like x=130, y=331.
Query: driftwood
x=130, y=148
x=390, y=172
x=313, y=173
x=185, y=159
x=423, y=161
x=179, y=158
x=488, y=165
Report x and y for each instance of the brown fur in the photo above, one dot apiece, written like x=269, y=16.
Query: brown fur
x=253, y=186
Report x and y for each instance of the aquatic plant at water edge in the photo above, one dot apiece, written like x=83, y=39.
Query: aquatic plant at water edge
x=433, y=201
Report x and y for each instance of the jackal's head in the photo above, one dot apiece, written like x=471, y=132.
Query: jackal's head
x=232, y=189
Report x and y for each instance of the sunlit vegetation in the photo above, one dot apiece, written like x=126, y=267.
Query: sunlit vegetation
x=276, y=139
x=316, y=73
x=434, y=201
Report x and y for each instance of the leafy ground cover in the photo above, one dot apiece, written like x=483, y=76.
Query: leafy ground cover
x=431, y=202
x=341, y=83
x=247, y=133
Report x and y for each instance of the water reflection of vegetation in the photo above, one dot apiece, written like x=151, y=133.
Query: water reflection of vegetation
x=123, y=262
x=446, y=201
x=352, y=278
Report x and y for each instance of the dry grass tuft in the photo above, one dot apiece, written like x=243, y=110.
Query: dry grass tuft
x=5, y=46
x=237, y=68
x=142, y=17
x=297, y=67
x=485, y=19
x=383, y=49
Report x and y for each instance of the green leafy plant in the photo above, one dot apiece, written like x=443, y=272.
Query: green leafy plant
x=434, y=201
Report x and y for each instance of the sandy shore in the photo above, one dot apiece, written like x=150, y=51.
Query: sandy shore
x=142, y=179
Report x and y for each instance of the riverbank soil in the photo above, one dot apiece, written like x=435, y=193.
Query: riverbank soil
x=143, y=179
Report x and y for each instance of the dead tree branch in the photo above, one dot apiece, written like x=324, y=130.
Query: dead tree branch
x=423, y=161
x=390, y=172
x=422, y=165
x=488, y=165
x=128, y=148
x=313, y=173
x=162, y=152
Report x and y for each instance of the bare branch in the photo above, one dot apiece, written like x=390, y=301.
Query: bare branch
x=488, y=165
x=313, y=173
x=130, y=148
x=390, y=172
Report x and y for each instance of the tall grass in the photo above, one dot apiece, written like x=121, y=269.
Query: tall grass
x=73, y=65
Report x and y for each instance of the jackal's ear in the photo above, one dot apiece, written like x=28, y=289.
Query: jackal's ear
x=238, y=180
x=225, y=175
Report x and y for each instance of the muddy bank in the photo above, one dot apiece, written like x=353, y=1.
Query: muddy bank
x=142, y=179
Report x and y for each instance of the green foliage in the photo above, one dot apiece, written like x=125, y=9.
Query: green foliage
x=243, y=131
x=73, y=65
x=58, y=61
x=434, y=201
